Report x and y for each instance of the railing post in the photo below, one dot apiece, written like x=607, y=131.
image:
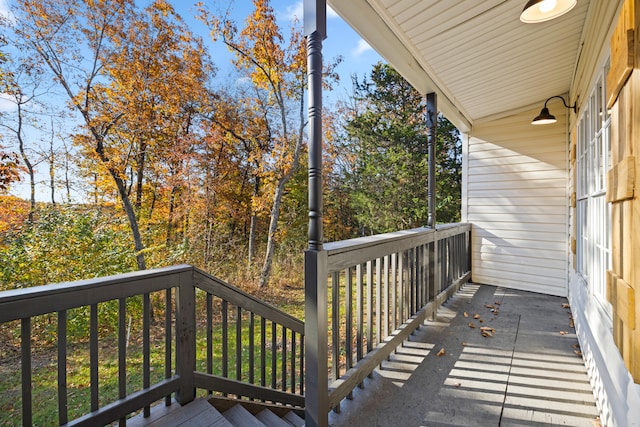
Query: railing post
x=316, y=274
x=186, y=337
x=316, y=325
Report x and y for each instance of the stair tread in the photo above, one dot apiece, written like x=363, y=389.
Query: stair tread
x=293, y=419
x=270, y=419
x=239, y=416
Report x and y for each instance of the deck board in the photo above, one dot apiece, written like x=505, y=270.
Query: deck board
x=527, y=373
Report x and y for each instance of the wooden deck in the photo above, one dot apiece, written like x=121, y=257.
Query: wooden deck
x=528, y=373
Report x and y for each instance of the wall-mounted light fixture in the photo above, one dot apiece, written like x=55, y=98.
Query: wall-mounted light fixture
x=544, y=10
x=545, y=118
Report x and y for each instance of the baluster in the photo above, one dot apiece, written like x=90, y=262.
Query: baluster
x=378, y=284
x=359, y=315
x=284, y=358
x=93, y=355
x=122, y=353
x=263, y=350
x=167, y=340
x=301, y=364
x=394, y=286
x=25, y=355
x=274, y=343
x=62, y=367
x=225, y=340
x=369, y=305
x=293, y=362
x=146, y=347
x=209, y=314
x=251, y=347
x=335, y=325
x=348, y=308
x=238, y=344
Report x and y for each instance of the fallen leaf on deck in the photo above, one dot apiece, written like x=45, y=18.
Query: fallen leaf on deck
x=565, y=305
x=457, y=384
x=487, y=334
x=489, y=306
x=487, y=329
x=497, y=303
x=596, y=422
x=476, y=316
x=465, y=314
x=578, y=352
x=576, y=346
x=563, y=332
x=472, y=325
x=494, y=311
x=481, y=321
x=464, y=343
x=441, y=352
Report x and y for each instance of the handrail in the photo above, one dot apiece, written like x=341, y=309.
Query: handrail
x=230, y=315
x=370, y=293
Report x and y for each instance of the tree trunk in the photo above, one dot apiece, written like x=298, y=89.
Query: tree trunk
x=131, y=216
x=271, y=241
x=52, y=168
x=139, y=176
x=253, y=225
x=27, y=163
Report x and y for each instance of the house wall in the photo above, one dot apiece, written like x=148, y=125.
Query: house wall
x=515, y=193
x=617, y=395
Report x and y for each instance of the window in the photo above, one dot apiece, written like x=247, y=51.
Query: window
x=593, y=214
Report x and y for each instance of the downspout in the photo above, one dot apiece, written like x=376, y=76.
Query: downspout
x=315, y=258
x=432, y=124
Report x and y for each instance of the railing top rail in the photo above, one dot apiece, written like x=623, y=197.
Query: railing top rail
x=240, y=298
x=28, y=302
x=351, y=252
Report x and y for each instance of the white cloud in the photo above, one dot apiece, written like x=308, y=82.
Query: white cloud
x=361, y=48
x=5, y=104
x=4, y=8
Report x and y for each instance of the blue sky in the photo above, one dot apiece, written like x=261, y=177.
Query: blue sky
x=358, y=57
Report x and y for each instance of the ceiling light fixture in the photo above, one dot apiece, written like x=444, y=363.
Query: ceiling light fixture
x=544, y=10
x=546, y=118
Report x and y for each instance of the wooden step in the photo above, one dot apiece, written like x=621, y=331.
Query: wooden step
x=238, y=416
x=293, y=419
x=270, y=419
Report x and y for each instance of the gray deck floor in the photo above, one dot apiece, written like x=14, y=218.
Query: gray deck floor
x=529, y=373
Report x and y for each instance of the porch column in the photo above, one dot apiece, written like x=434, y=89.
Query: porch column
x=315, y=275
x=431, y=114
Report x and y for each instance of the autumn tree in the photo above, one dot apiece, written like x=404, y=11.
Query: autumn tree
x=125, y=72
x=277, y=67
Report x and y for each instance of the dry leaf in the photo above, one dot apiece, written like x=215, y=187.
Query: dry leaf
x=571, y=324
x=489, y=306
x=441, y=352
x=481, y=321
x=465, y=314
x=487, y=328
x=472, y=325
x=576, y=346
x=495, y=311
x=457, y=384
x=487, y=334
x=464, y=343
x=578, y=352
x=596, y=422
x=565, y=305
x=476, y=316
x=563, y=332
x=497, y=303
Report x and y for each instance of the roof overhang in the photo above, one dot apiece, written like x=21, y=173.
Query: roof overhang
x=478, y=57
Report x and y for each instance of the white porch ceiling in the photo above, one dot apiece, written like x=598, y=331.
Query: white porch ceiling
x=475, y=54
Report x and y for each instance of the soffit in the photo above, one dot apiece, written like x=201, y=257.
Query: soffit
x=477, y=55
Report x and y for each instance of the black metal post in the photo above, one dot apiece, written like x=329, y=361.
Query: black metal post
x=316, y=320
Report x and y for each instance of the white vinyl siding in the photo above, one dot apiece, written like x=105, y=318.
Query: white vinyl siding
x=516, y=200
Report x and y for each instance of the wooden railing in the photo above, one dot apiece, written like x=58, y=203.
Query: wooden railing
x=173, y=323
x=370, y=294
